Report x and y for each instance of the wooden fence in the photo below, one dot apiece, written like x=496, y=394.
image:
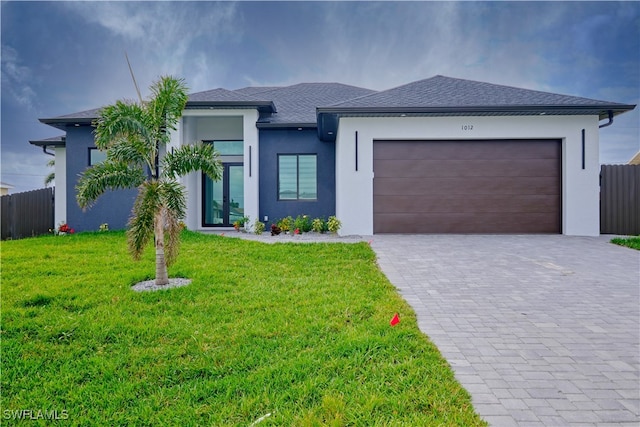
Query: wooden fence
x=620, y=199
x=27, y=214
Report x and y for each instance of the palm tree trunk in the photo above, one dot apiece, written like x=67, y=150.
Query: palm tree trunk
x=162, y=278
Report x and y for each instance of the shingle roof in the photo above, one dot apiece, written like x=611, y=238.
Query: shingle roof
x=297, y=104
x=56, y=141
x=87, y=114
x=254, y=90
x=441, y=91
x=446, y=96
x=223, y=95
x=304, y=104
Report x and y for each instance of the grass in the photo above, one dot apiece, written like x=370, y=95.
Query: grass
x=632, y=242
x=298, y=331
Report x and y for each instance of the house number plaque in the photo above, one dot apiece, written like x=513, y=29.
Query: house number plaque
x=467, y=127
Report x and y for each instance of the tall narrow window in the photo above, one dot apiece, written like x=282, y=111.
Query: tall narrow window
x=297, y=177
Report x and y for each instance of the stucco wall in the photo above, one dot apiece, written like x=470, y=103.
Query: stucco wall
x=211, y=124
x=113, y=207
x=280, y=141
x=580, y=187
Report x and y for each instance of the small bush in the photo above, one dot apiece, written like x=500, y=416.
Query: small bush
x=285, y=224
x=333, y=224
x=319, y=225
x=302, y=223
x=258, y=227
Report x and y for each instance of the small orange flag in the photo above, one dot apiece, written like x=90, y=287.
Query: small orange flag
x=395, y=320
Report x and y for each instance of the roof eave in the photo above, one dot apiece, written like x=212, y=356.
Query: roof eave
x=262, y=106
x=601, y=110
x=328, y=116
x=62, y=123
x=269, y=125
x=48, y=143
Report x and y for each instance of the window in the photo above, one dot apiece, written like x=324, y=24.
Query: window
x=228, y=148
x=96, y=156
x=297, y=177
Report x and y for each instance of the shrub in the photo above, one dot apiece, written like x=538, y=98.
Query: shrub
x=285, y=224
x=258, y=226
x=319, y=225
x=333, y=224
x=275, y=230
x=302, y=223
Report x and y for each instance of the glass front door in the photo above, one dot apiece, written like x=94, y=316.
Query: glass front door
x=223, y=200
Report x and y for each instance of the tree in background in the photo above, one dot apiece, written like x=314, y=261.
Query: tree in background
x=133, y=135
x=52, y=175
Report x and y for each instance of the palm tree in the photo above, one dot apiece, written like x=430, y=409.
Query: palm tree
x=132, y=134
x=52, y=175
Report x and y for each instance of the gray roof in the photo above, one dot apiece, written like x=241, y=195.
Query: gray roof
x=223, y=98
x=254, y=90
x=314, y=104
x=297, y=104
x=56, y=141
x=447, y=94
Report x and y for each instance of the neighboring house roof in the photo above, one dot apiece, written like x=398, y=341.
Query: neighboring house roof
x=446, y=96
x=56, y=141
x=5, y=185
x=635, y=160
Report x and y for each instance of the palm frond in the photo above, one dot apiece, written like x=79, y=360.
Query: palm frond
x=121, y=119
x=104, y=176
x=49, y=178
x=191, y=158
x=174, y=201
x=173, y=198
x=130, y=149
x=168, y=101
x=141, y=229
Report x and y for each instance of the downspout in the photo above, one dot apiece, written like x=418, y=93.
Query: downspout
x=44, y=149
x=610, y=122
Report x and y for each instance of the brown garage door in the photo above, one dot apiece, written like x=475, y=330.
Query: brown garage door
x=497, y=186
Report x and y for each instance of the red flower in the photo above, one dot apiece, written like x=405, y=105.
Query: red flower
x=71, y=231
x=296, y=231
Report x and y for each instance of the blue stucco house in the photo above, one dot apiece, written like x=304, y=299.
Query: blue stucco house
x=440, y=155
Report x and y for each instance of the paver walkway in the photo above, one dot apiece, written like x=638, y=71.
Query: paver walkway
x=541, y=330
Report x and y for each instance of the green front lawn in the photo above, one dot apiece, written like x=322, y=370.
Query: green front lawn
x=298, y=331
x=632, y=242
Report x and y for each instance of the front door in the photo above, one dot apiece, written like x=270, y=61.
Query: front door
x=223, y=200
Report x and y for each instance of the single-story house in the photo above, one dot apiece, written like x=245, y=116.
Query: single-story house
x=440, y=155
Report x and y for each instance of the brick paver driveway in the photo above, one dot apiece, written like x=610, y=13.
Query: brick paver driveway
x=541, y=330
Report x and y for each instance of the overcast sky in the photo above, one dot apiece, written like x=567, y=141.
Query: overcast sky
x=65, y=57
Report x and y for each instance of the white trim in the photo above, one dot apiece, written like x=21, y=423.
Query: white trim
x=193, y=182
x=60, y=209
x=580, y=188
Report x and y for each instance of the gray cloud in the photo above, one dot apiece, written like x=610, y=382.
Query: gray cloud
x=16, y=78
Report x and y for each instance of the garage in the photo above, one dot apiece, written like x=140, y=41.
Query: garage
x=467, y=186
